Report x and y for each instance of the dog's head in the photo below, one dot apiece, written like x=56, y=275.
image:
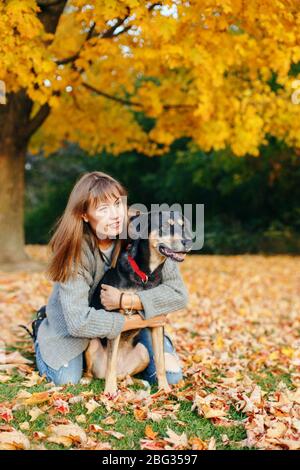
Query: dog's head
x=168, y=232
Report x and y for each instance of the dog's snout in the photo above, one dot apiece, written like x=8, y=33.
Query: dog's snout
x=187, y=243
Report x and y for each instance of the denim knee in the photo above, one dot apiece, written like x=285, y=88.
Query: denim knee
x=149, y=373
x=70, y=373
x=174, y=377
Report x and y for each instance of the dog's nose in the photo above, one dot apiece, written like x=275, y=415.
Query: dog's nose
x=187, y=243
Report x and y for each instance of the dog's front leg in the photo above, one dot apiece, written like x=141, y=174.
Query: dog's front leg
x=89, y=356
x=159, y=357
x=111, y=369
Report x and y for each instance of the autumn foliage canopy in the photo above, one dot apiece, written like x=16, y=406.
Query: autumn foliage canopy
x=221, y=72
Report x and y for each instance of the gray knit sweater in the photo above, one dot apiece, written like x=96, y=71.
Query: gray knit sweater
x=71, y=321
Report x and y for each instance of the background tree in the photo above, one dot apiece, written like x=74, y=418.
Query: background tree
x=220, y=73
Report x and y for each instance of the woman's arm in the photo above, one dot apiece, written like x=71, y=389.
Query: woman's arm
x=169, y=296
x=81, y=319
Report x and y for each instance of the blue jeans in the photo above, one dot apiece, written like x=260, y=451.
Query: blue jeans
x=73, y=370
x=68, y=373
x=149, y=373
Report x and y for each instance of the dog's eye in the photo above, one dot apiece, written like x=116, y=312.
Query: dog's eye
x=171, y=221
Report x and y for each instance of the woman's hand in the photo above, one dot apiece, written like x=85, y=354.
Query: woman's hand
x=110, y=297
x=158, y=320
x=134, y=322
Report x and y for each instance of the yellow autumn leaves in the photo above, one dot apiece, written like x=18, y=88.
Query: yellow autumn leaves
x=210, y=66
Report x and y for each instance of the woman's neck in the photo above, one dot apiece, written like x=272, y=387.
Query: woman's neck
x=105, y=243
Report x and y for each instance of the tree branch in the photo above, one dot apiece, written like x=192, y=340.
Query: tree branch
x=110, y=32
x=154, y=5
x=75, y=56
x=38, y=119
x=174, y=106
x=111, y=97
x=105, y=35
x=131, y=103
x=93, y=34
x=44, y=111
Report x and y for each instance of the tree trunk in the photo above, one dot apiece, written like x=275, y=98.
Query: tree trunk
x=11, y=211
x=16, y=128
x=14, y=137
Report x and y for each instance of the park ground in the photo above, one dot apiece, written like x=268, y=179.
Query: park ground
x=239, y=343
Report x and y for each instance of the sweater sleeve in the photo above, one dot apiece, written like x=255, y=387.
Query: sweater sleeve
x=81, y=319
x=169, y=296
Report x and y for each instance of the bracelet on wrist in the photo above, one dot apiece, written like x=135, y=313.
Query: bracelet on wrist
x=129, y=312
x=120, y=303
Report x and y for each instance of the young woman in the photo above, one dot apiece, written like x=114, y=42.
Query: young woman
x=85, y=243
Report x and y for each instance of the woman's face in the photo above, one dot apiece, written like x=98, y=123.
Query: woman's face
x=107, y=218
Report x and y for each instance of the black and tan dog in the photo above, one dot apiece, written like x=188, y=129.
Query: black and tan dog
x=158, y=235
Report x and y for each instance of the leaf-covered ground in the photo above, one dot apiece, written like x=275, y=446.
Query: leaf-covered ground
x=239, y=343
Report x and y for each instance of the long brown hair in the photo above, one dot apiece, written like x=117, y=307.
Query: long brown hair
x=70, y=228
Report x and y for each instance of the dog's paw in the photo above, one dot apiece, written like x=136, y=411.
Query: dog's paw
x=111, y=396
x=86, y=380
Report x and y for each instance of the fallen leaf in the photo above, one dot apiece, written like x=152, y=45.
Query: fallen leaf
x=76, y=399
x=117, y=435
x=6, y=414
x=197, y=443
x=150, y=433
x=33, y=379
x=4, y=378
x=24, y=426
x=81, y=419
x=212, y=443
x=178, y=441
x=37, y=435
x=212, y=412
x=149, y=444
x=36, y=398
x=109, y=420
x=91, y=405
x=278, y=429
x=35, y=413
x=67, y=434
x=13, y=358
x=14, y=440
x=61, y=406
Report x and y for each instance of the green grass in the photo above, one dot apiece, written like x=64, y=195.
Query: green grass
x=133, y=430
x=268, y=380
x=126, y=423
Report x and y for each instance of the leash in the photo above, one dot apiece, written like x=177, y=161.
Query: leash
x=26, y=329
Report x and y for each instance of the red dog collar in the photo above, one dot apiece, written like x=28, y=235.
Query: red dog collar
x=143, y=276
x=137, y=270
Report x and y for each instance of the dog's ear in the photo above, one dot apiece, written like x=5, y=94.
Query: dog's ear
x=136, y=215
x=133, y=215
